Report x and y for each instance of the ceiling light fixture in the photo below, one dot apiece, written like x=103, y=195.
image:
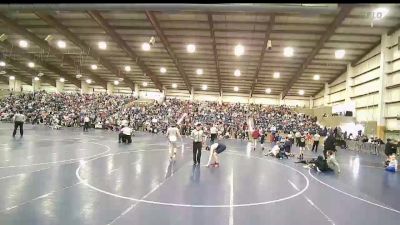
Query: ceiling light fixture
x=268, y=90
x=204, y=87
x=199, y=71
x=36, y=78
x=78, y=76
x=61, y=44
x=163, y=70
x=236, y=88
x=339, y=54
x=94, y=67
x=89, y=81
x=239, y=50
x=2, y=63
x=12, y=78
x=316, y=77
x=102, y=45
x=145, y=84
x=191, y=48
x=23, y=44
x=277, y=75
x=174, y=85
x=288, y=52
x=116, y=82
x=31, y=64
x=127, y=68
x=146, y=46
x=379, y=13
x=62, y=80
x=301, y=92
x=237, y=73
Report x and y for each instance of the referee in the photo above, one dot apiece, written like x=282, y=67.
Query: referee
x=197, y=136
x=19, y=120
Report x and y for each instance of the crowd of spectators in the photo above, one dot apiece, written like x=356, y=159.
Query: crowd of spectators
x=112, y=111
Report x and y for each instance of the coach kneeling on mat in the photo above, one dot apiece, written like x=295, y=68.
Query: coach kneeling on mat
x=125, y=135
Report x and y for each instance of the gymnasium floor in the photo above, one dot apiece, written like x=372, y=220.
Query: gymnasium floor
x=70, y=177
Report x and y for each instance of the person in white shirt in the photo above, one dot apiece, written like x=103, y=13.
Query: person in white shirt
x=125, y=135
x=173, y=134
x=86, y=121
x=215, y=149
x=19, y=120
x=198, y=139
x=316, y=142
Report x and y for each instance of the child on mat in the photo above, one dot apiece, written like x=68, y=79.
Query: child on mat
x=215, y=149
x=391, y=164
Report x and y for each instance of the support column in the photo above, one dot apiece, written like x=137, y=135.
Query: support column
x=85, y=89
x=381, y=121
x=326, y=94
x=311, y=102
x=136, y=92
x=192, y=94
x=110, y=88
x=164, y=93
x=349, y=82
x=36, y=84
x=220, y=99
x=15, y=85
x=59, y=86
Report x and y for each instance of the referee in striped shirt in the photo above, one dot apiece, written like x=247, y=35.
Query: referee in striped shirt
x=198, y=138
x=19, y=120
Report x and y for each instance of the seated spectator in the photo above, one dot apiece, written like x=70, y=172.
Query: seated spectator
x=391, y=165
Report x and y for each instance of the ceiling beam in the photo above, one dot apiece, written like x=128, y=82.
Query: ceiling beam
x=164, y=40
x=32, y=72
x=212, y=33
x=53, y=22
x=263, y=50
x=96, y=16
x=19, y=76
x=343, y=13
x=29, y=56
x=45, y=45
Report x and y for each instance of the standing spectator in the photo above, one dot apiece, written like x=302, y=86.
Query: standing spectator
x=213, y=133
x=255, y=135
x=197, y=136
x=316, y=142
x=298, y=136
x=19, y=120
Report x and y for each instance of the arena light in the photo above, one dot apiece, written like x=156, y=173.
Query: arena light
x=61, y=44
x=145, y=84
x=301, y=92
x=163, y=70
x=127, y=68
x=23, y=44
x=288, y=52
x=277, y=75
x=12, y=78
x=2, y=63
x=31, y=64
x=239, y=50
x=236, y=88
x=102, y=45
x=199, y=71
x=116, y=82
x=339, y=54
x=78, y=75
x=316, y=77
x=93, y=67
x=62, y=80
x=191, y=48
x=89, y=81
x=204, y=87
x=174, y=85
x=146, y=46
x=268, y=90
x=237, y=73
x=36, y=78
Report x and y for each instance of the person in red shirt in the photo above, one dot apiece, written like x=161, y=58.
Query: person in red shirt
x=255, y=135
